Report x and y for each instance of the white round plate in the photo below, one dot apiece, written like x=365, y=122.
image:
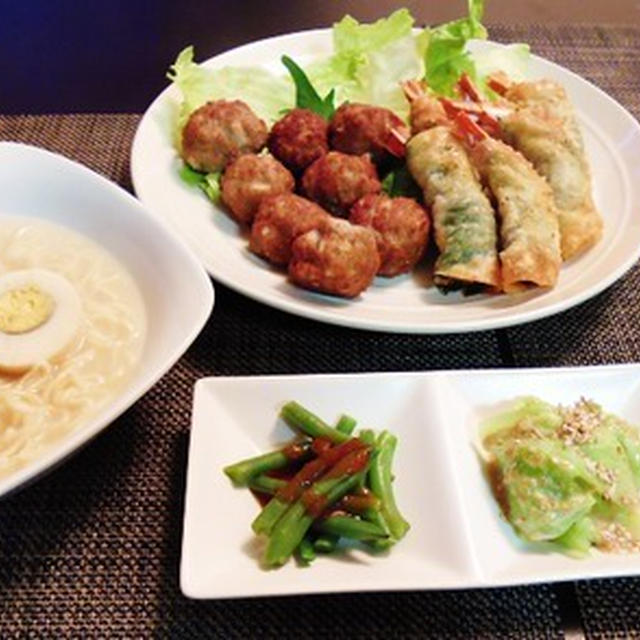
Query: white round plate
x=404, y=304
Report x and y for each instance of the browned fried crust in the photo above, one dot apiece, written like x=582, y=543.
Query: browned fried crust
x=336, y=180
x=299, y=138
x=362, y=128
x=281, y=219
x=249, y=179
x=337, y=258
x=219, y=131
x=529, y=230
x=401, y=227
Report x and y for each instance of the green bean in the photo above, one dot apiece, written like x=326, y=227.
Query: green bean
x=266, y=520
x=300, y=418
x=266, y=484
x=380, y=544
x=292, y=526
x=368, y=437
x=326, y=543
x=306, y=551
x=293, y=518
x=240, y=472
x=328, y=537
x=350, y=527
x=380, y=482
x=346, y=424
x=375, y=517
x=312, y=471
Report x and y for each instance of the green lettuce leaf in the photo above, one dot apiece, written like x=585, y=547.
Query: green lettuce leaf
x=446, y=56
x=208, y=182
x=370, y=60
x=266, y=93
x=353, y=37
x=513, y=59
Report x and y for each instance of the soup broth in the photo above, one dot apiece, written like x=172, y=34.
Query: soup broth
x=50, y=397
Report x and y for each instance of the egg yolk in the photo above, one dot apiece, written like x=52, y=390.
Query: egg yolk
x=24, y=309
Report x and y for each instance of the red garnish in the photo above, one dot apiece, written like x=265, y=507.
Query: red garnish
x=396, y=141
x=317, y=467
x=357, y=460
x=467, y=129
x=499, y=82
x=468, y=88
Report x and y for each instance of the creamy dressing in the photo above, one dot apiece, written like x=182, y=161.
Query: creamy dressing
x=566, y=475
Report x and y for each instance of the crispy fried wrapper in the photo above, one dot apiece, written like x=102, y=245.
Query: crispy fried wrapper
x=529, y=229
x=463, y=218
x=545, y=130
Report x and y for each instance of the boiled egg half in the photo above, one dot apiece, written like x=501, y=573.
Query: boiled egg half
x=40, y=313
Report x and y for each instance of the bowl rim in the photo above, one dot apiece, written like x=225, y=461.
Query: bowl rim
x=140, y=382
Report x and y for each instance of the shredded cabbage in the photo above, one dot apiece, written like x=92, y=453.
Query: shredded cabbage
x=570, y=476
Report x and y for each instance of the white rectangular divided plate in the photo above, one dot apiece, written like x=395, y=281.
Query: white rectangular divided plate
x=457, y=537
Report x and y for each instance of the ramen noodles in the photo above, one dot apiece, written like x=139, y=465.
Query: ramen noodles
x=72, y=328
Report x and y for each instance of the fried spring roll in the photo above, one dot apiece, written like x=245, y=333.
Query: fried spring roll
x=529, y=230
x=463, y=218
x=545, y=130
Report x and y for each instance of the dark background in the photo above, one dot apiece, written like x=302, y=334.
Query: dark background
x=93, y=549
x=68, y=56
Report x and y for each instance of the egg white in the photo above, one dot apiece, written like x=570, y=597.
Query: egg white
x=21, y=351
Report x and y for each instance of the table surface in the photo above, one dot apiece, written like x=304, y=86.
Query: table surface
x=93, y=548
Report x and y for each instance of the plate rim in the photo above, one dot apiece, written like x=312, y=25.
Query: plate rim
x=311, y=310
x=71, y=443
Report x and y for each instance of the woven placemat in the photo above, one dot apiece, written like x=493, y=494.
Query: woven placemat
x=93, y=549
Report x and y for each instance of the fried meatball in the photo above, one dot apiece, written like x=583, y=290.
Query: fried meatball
x=362, y=128
x=279, y=221
x=401, y=227
x=338, y=258
x=249, y=179
x=336, y=180
x=299, y=138
x=219, y=131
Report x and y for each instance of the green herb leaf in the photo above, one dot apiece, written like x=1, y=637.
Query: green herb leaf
x=399, y=182
x=306, y=96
